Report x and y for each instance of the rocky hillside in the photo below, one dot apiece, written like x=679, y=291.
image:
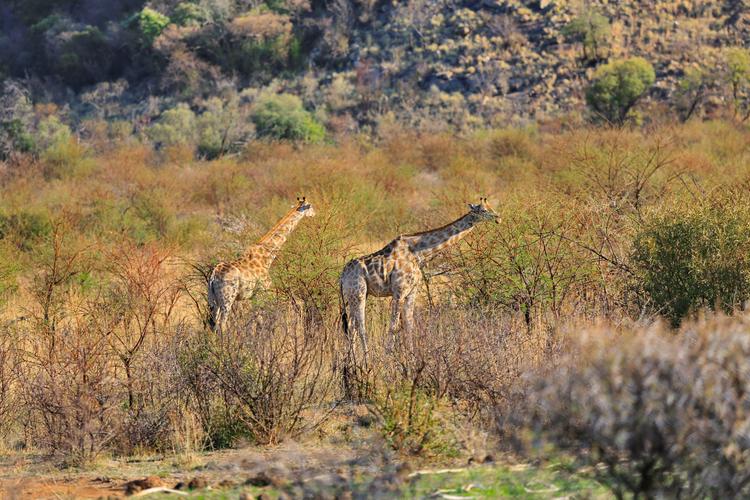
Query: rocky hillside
x=353, y=62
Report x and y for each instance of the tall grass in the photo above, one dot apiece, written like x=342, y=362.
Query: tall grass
x=102, y=341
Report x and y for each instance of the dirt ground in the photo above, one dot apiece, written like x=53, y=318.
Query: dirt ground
x=30, y=475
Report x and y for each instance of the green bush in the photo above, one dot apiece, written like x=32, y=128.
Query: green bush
x=283, y=117
x=150, y=24
x=688, y=259
x=220, y=128
x=16, y=115
x=692, y=90
x=85, y=58
x=617, y=86
x=592, y=30
x=175, y=127
x=190, y=14
x=24, y=228
x=15, y=137
x=738, y=77
x=62, y=154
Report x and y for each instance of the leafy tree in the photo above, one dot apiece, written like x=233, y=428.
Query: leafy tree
x=592, y=30
x=85, y=57
x=150, y=23
x=190, y=14
x=738, y=77
x=697, y=257
x=175, y=127
x=283, y=117
x=16, y=115
x=692, y=90
x=617, y=86
x=221, y=128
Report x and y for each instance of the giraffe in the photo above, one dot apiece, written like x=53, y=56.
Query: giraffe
x=395, y=270
x=241, y=278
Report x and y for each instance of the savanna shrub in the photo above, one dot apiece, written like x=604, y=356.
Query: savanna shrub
x=663, y=415
x=85, y=57
x=221, y=128
x=150, y=23
x=592, y=30
x=274, y=367
x=262, y=40
x=61, y=152
x=24, y=228
x=190, y=14
x=617, y=86
x=175, y=127
x=16, y=114
x=283, y=117
x=72, y=392
x=414, y=422
x=697, y=257
x=738, y=78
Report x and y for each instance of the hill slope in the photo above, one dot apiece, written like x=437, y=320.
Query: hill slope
x=465, y=62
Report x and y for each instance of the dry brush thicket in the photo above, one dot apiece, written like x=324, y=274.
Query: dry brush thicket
x=104, y=349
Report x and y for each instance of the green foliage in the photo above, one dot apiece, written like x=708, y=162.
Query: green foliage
x=697, y=257
x=14, y=137
x=282, y=117
x=617, y=86
x=259, y=44
x=52, y=133
x=85, y=57
x=738, y=65
x=592, y=30
x=190, y=14
x=16, y=115
x=220, y=128
x=9, y=269
x=175, y=127
x=692, y=89
x=150, y=24
x=738, y=77
x=62, y=154
x=25, y=228
x=412, y=422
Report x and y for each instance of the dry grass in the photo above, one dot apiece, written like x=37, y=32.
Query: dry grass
x=103, y=349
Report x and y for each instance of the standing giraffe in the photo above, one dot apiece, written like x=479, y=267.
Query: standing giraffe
x=241, y=278
x=395, y=271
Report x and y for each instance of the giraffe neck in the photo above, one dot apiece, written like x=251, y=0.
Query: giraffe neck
x=277, y=235
x=429, y=242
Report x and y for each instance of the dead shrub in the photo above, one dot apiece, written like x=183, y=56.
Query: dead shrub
x=71, y=392
x=275, y=368
x=140, y=301
x=10, y=373
x=662, y=414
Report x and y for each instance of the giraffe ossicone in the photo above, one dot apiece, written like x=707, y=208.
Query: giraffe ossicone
x=243, y=277
x=395, y=271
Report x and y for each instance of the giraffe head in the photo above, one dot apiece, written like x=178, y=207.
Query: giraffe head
x=305, y=208
x=484, y=212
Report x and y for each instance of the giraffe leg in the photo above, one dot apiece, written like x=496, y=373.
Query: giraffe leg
x=396, y=306
x=353, y=287
x=221, y=298
x=358, y=314
x=408, y=311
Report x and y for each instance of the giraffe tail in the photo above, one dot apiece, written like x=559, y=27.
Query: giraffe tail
x=212, y=304
x=344, y=316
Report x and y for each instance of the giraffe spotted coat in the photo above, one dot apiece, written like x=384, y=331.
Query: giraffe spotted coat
x=395, y=271
x=240, y=279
